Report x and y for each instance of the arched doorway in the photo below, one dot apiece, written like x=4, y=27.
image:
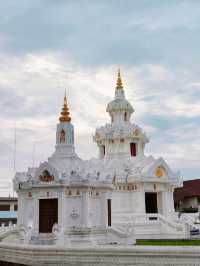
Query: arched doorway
x=48, y=214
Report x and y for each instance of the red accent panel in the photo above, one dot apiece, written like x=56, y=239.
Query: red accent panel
x=133, y=149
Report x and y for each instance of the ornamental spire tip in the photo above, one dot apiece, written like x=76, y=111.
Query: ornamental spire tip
x=119, y=85
x=65, y=114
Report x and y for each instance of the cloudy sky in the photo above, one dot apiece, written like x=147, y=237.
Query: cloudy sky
x=48, y=45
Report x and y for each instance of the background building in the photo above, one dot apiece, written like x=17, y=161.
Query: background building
x=187, y=198
x=8, y=210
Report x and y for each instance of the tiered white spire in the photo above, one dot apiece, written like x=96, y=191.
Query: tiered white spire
x=120, y=137
x=119, y=108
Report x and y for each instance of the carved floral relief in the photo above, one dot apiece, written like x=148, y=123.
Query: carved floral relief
x=46, y=177
x=160, y=171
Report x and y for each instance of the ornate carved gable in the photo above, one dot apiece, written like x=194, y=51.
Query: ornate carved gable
x=46, y=173
x=159, y=169
x=46, y=176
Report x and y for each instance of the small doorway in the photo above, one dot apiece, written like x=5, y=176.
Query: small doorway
x=151, y=202
x=109, y=211
x=133, y=149
x=48, y=214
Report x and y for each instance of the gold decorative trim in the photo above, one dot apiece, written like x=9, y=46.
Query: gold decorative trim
x=125, y=187
x=119, y=85
x=160, y=171
x=136, y=132
x=65, y=114
x=46, y=177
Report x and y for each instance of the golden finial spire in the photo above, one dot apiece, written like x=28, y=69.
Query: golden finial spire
x=64, y=115
x=119, y=85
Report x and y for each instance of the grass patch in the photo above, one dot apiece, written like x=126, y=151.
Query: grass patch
x=184, y=242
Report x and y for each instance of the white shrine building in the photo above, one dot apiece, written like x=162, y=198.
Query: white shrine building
x=116, y=198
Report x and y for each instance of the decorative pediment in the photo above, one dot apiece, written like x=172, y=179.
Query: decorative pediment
x=136, y=132
x=46, y=176
x=46, y=173
x=159, y=169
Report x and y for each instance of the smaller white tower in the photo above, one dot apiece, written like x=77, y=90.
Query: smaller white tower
x=119, y=109
x=120, y=137
x=64, y=135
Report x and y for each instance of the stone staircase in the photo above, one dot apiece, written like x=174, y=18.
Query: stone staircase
x=152, y=226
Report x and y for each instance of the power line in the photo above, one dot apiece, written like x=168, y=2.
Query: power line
x=14, y=159
x=33, y=155
x=14, y=150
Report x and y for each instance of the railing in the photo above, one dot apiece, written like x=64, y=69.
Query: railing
x=190, y=219
x=5, y=230
x=154, y=218
x=4, y=227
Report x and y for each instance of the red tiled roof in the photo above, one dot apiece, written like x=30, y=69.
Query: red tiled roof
x=191, y=188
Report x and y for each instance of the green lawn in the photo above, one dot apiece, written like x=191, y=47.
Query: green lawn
x=194, y=242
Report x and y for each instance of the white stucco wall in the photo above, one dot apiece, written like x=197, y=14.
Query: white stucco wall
x=128, y=201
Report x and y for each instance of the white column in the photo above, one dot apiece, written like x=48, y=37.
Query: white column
x=60, y=208
x=160, y=202
x=85, y=221
x=20, y=210
x=36, y=215
x=140, y=148
x=61, y=202
x=171, y=200
x=167, y=202
x=104, y=217
x=141, y=207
